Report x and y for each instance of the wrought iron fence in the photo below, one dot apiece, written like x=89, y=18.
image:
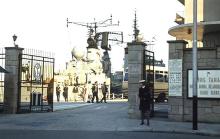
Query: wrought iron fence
x=148, y=73
x=36, y=81
x=2, y=64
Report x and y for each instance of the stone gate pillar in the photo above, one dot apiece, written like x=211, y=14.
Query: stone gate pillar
x=135, y=74
x=11, y=79
x=176, y=88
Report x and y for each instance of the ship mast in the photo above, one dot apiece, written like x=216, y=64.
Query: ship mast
x=136, y=30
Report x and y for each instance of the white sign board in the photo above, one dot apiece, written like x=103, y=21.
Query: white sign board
x=208, y=83
x=175, y=77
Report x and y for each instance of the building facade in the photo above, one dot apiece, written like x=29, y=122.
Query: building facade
x=180, y=63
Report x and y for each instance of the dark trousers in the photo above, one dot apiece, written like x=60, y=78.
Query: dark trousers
x=65, y=98
x=65, y=95
x=147, y=115
x=58, y=97
x=104, y=97
x=95, y=95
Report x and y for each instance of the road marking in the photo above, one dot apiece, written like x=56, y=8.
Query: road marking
x=60, y=107
x=100, y=107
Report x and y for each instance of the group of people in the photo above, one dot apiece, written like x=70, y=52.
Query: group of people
x=84, y=92
x=65, y=93
x=95, y=89
x=145, y=96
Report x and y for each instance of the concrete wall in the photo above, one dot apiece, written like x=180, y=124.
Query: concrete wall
x=135, y=74
x=211, y=10
x=208, y=109
x=176, y=105
x=11, y=79
x=180, y=108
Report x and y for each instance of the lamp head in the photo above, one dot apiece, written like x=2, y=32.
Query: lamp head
x=14, y=37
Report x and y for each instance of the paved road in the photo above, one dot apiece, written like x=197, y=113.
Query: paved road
x=54, y=134
x=68, y=105
x=90, y=121
x=94, y=117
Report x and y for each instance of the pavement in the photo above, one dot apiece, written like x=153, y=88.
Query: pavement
x=166, y=126
x=157, y=124
x=119, y=121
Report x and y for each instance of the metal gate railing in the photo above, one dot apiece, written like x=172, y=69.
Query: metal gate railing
x=2, y=76
x=36, y=81
x=148, y=73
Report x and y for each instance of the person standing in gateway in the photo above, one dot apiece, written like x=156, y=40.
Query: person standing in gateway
x=65, y=93
x=104, y=91
x=95, y=92
x=58, y=90
x=75, y=92
x=145, y=101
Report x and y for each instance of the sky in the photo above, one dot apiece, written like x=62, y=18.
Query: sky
x=41, y=24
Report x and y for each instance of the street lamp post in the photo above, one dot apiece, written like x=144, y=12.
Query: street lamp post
x=195, y=70
x=14, y=39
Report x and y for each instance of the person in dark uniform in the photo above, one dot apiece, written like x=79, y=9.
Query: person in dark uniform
x=95, y=92
x=75, y=92
x=145, y=99
x=58, y=90
x=104, y=91
x=50, y=95
x=65, y=93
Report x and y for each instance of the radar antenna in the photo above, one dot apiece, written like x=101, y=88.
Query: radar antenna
x=93, y=26
x=94, y=37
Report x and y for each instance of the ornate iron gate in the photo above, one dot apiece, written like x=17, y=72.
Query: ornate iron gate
x=148, y=72
x=2, y=75
x=36, y=81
